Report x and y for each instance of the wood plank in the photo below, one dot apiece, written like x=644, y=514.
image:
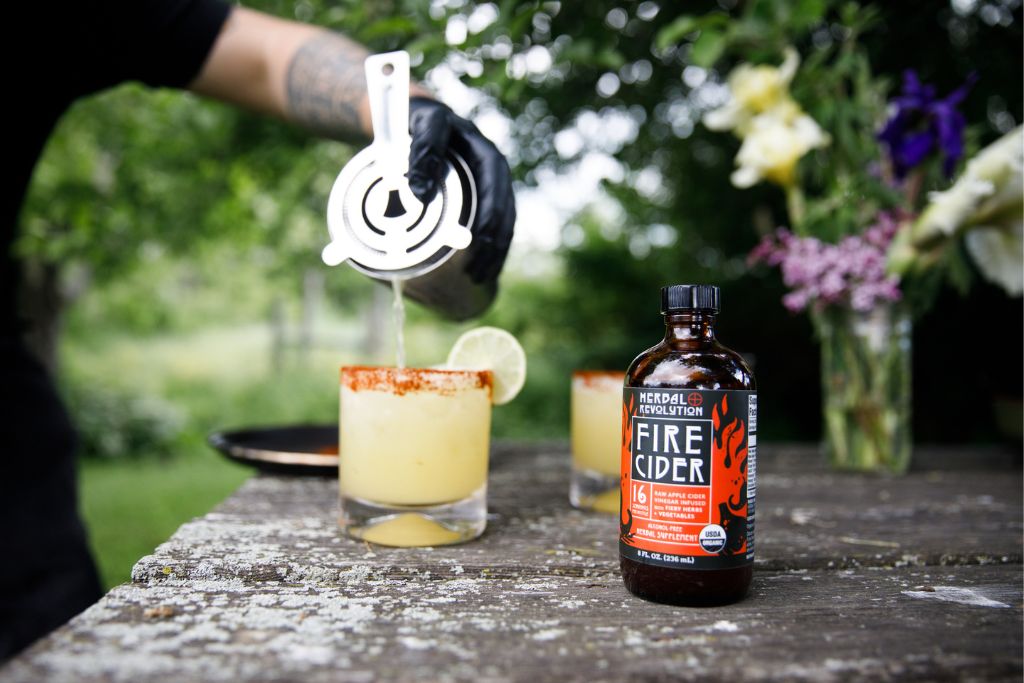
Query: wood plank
x=284, y=528
x=920, y=623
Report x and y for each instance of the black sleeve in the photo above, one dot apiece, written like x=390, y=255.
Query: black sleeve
x=176, y=36
x=162, y=43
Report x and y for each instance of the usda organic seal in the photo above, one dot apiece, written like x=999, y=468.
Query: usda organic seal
x=712, y=538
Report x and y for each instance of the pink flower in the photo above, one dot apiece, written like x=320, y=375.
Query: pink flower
x=851, y=273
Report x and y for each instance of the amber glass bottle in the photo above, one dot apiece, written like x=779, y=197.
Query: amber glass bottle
x=688, y=461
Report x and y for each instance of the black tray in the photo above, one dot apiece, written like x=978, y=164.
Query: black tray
x=296, y=449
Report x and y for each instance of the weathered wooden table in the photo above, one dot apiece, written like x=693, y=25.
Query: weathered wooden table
x=858, y=577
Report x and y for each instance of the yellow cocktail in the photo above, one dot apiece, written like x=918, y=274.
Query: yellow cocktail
x=413, y=454
x=596, y=439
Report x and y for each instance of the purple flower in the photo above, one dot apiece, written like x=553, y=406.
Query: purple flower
x=850, y=274
x=921, y=123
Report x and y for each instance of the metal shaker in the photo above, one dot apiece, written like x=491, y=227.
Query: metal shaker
x=380, y=228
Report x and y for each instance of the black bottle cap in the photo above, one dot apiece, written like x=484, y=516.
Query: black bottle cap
x=679, y=298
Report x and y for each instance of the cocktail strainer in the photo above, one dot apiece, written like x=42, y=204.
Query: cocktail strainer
x=376, y=223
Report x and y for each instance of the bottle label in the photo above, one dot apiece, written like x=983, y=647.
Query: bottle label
x=689, y=477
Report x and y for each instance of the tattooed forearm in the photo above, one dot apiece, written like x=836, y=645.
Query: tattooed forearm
x=326, y=86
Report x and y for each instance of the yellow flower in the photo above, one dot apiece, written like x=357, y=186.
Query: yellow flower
x=775, y=131
x=755, y=90
x=772, y=146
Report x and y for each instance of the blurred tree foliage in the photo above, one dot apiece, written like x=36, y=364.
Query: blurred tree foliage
x=115, y=424
x=136, y=181
x=134, y=176
x=657, y=65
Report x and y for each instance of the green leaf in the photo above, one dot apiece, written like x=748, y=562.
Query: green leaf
x=610, y=58
x=806, y=13
x=673, y=33
x=958, y=269
x=579, y=52
x=520, y=24
x=708, y=47
x=432, y=46
x=389, y=28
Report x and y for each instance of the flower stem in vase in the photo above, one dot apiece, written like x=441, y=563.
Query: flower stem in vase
x=865, y=387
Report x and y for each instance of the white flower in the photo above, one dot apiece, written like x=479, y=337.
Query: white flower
x=773, y=145
x=754, y=90
x=997, y=251
x=991, y=183
x=987, y=203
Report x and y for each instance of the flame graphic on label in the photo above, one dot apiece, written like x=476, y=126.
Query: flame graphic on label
x=625, y=468
x=730, y=431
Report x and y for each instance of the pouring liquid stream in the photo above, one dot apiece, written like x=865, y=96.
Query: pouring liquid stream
x=398, y=313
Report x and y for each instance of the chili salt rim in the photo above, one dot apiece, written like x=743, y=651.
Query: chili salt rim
x=404, y=380
x=598, y=378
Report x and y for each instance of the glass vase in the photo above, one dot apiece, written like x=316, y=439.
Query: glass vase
x=866, y=389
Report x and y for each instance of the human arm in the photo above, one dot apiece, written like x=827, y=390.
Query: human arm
x=315, y=78
x=297, y=72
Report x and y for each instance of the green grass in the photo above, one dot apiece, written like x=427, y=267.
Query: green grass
x=132, y=506
x=217, y=378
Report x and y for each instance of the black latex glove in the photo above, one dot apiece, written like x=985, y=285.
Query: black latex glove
x=435, y=128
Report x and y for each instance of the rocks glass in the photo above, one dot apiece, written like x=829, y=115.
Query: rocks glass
x=413, y=454
x=596, y=439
